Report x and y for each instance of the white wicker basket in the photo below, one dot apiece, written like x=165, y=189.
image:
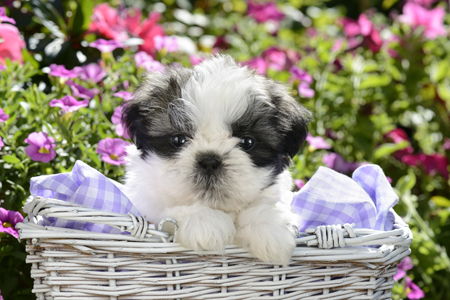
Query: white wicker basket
x=75, y=265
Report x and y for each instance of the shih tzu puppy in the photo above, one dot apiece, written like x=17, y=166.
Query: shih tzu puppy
x=213, y=146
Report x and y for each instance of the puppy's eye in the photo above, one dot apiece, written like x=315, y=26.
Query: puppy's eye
x=178, y=140
x=247, y=143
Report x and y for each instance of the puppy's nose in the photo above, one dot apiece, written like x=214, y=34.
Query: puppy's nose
x=209, y=163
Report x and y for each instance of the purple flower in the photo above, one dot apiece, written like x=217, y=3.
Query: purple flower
x=402, y=267
x=144, y=60
x=432, y=21
x=412, y=290
x=338, y=163
x=112, y=150
x=166, y=42
x=126, y=96
x=196, y=59
x=1, y=143
x=92, y=72
x=68, y=104
x=275, y=58
x=299, y=183
x=120, y=127
x=2, y=67
x=4, y=18
x=61, y=71
x=8, y=221
x=106, y=46
x=80, y=91
x=41, y=147
x=305, y=91
x=317, y=142
x=263, y=12
x=3, y=116
x=258, y=64
x=300, y=74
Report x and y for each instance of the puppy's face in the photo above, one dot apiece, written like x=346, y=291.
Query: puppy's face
x=218, y=134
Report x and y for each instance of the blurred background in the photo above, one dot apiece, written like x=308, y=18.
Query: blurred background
x=375, y=74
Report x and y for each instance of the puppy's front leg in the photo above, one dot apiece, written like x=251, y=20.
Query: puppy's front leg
x=202, y=228
x=263, y=230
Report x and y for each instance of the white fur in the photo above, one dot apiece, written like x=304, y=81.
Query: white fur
x=245, y=211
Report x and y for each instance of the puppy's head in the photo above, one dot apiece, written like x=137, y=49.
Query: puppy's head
x=218, y=133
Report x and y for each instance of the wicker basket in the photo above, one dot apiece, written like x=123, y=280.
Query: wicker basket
x=73, y=264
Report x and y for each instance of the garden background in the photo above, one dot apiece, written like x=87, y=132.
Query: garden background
x=375, y=74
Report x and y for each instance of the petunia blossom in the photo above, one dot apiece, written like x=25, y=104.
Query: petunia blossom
x=412, y=290
x=431, y=21
x=338, y=163
x=41, y=147
x=106, y=46
x=402, y=267
x=11, y=49
x=1, y=143
x=150, y=29
x=68, y=103
x=80, y=91
x=317, y=142
x=9, y=220
x=263, y=12
x=363, y=26
x=3, y=116
x=258, y=64
x=196, y=59
x=126, y=96
x=112, y=150
x=61, y=71
x=305, y=91
x=169, y=43
x=300, y=74
x=91, y=72
x=146, y=61
x=106, y=21
x=4, y=18
x=299, y=183
x=120, y=127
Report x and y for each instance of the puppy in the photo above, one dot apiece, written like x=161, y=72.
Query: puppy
x=213, y=146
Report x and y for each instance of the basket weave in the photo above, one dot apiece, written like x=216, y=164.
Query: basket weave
x=73, y=264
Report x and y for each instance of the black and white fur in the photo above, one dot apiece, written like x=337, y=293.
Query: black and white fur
x=213, y=145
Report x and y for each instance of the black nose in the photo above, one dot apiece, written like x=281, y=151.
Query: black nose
x=209, y=163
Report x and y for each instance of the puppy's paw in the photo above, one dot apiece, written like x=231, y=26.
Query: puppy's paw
x=268, y=242
x=204, y=229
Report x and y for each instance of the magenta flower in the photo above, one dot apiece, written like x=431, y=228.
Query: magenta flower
x=112, y=150
x=431, y=21
x=8, y=221
x=126, y=96
x=338, y=163
x=300, y=74
x=92, y=72
x=106, y=46
x=68, y=104
x=275, y=58
x=196, y=59
x=263, y=12
x=3, y=116
x=142, y=59
x=412, y=290
x=424, y=3
x=41, y=147
x=1, y=143
x=61, y=71
x=166, y=42
x=402, y=267
x=120, y=127
x=305, y=91
x=80, y=91
x=363, y=27
x=4, y=18
x=299, y=183
x=397, y=136
x=317, y=142
x=2, y=67
x=258, y=64
x=434, y=164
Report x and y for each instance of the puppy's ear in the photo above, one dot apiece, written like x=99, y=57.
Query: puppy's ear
x=292, y=121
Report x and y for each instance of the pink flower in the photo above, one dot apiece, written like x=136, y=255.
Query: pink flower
x=9, y=220
x=402, y=267
x=12, y=48
x=1, y=143
x=412, y=290
x=106, y=21
x=275, y=58
x=4, y=18
x=258, y=64
x=2, y=67
x=365, y=28
x=424, y=3
x=299, y=183
x=132, y=20
x=61, y=71
x=80, y=91
x=432, y=164
x=68, y=104
x=196, y=59
x=317, y=142
x=300, y=74
x=305, y=91
x=41, y=147
x=263, y=12
x=148, y=31
x=126, y=96
x=398, y=135
x=431, y=21
x=112, y=150
x=446, y=144
x=166, y=42
x=92, y=72
x=3, y=116
x=106, y=46
x=338, y=163
x=142, y=59
x=120, y=127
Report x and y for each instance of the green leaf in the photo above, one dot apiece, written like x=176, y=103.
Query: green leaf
x=406, y=183
x=95, y=159
x=372, y=81
x=389, y=148
x=82, y=17
x=440, y=201
x=11, y=159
